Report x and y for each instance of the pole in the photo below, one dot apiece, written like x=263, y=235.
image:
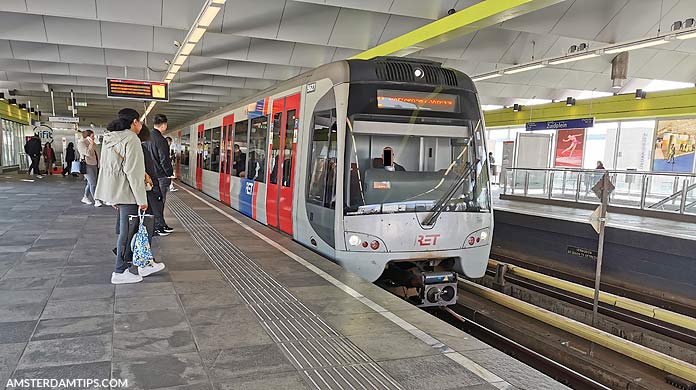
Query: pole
x=53, y=103
x=600, y=250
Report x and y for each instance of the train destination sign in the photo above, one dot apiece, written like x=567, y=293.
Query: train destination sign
x=137, y=89
x=412, y=100
x=581, y=123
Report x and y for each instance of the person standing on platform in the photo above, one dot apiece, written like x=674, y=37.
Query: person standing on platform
x=88, y=152
x=159, y=148
x=49, y=158
x=69, y=158
x=600, y=165
x=122, y=185
x=154, y=194
x=33, y=149
x=494, y=168
x=172, y=155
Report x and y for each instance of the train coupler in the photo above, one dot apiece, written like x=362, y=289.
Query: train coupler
x=438, y=289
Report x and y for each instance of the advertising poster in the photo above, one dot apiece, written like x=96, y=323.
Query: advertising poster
x=674, y=145
x=570, y=144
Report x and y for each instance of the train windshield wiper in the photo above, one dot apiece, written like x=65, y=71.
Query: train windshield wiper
x=442, y=202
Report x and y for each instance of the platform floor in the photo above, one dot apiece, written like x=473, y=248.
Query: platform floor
x=664, y=227
x=240, y=306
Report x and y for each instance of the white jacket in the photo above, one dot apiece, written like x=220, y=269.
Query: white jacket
x=122, y=174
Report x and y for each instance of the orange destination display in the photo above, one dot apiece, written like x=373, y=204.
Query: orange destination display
x=413, y=100
x=137, y=89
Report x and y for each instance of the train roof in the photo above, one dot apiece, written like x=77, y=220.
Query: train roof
x=379, y=69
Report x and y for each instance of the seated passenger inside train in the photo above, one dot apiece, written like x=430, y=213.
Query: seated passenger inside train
x=387, y=161
x=239, y=162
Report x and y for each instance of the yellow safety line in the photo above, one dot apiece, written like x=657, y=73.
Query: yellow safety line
x=638, y=352
x=468, y=20
x=610, y=299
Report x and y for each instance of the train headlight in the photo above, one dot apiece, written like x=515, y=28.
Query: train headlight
x=354, y=240
x=484, y=235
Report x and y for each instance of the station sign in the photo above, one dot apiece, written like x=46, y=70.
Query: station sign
x=64, y=119
x=137, y=89
x=581, y=123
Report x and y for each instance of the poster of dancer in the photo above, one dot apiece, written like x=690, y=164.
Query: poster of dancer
x=675, y=143
x=570, y=145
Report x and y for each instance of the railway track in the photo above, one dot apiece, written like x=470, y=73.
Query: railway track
x=559, y=346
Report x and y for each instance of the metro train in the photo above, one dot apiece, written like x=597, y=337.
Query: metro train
x=379, y=165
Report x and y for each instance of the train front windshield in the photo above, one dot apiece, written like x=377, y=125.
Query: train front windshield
x=404, y=167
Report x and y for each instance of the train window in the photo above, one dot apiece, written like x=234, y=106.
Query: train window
x=273, y=158
x=216, y=134
x=322, y=165
x=287, y=150
x=257, y=149
x=240, y=148
x=184, y=150
x=207, y=136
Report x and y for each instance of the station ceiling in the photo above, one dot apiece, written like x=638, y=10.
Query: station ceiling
x=252, y=44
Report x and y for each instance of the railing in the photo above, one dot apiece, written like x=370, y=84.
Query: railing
x=657, y=191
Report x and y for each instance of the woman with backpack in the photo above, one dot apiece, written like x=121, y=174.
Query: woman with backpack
x=121, y=184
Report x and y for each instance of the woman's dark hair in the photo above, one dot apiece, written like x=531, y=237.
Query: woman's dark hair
x=125, y=117
x=70, y=145
x=144, y=134
x=86, y=133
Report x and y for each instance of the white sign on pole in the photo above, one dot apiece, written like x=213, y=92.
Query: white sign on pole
x=64, y=119
x=80, y=104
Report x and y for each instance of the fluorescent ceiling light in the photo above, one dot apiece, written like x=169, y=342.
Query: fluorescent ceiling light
x=486, y=76
x=196, y=34
x=208, y=16
x=180, y=59
x=523, y=68
x=217, y=2
x=174, y=68
x=187, y=48
x=573, y=58
x=170, y=76
x=688, y=35
x=634, y=46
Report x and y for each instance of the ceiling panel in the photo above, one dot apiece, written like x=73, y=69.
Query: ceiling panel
x=548, y=77
x=258, y=83
x=226, y=81
x=490, y=45
x=260, y=19
x=357, y=29
x=660, y=66
x=49, y=67
x=81, y=55
x=116, y=57
x=35, y=51
x=70, y=31
x=294, y=25
x=180, y=13
x=528, y=47
x=127, y=36
x=369, y=5
x=88, y=70
x=432, y=9
x=14, y=65
x=22, y=27
x=225, y=46
x=311, y=55
x=585, y=19
x=576, y=80
x=280, y=72
x=269, y=51
x=71, y=8
x=122, y=10
x=541, y=21
x=635, y=20
x=342, y=54
x=207, y=65
x=163, y=39
x=5, y=49
x=14, y=5
x=453, y=48
x=400, y=25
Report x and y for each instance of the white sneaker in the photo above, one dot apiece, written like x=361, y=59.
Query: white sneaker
x=125, y=277
x=97, y=203
x=86, y=200
x=150, y=269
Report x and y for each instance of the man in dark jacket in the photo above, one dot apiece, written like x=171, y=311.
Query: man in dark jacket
x=33, y=149
x=154, y=195
x=159, y=149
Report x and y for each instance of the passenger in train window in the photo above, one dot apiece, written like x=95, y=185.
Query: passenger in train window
x=239, y=162
x=255, y=166
x=389, y=160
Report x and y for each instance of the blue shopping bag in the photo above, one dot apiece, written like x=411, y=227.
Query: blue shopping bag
x=140, y=244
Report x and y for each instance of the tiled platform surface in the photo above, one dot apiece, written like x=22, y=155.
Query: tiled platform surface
x=683, y=230
x=217, y=318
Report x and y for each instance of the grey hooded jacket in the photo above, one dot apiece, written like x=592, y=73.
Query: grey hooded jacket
x=122, y=174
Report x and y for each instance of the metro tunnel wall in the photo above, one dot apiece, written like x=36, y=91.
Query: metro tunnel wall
x=656, y=265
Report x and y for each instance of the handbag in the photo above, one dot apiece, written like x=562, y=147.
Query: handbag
x=83, y=166
x=75, y=166
x=140, y=243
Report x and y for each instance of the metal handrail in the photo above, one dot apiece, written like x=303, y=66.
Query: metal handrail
x=649, y=188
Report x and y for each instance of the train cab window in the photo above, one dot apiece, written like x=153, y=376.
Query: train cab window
x=257, y=149
x=402, y=167
x=322, y=165
x=287, y=150
x=240, y=148
x=275, y=147
x=216, y=134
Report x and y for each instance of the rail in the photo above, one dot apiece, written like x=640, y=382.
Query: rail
x=667, y=192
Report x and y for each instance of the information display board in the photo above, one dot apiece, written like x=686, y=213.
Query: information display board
x=137, y=89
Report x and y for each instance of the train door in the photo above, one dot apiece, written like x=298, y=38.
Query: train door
x=285, y=116
x=226, y=158
x=199, y=157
